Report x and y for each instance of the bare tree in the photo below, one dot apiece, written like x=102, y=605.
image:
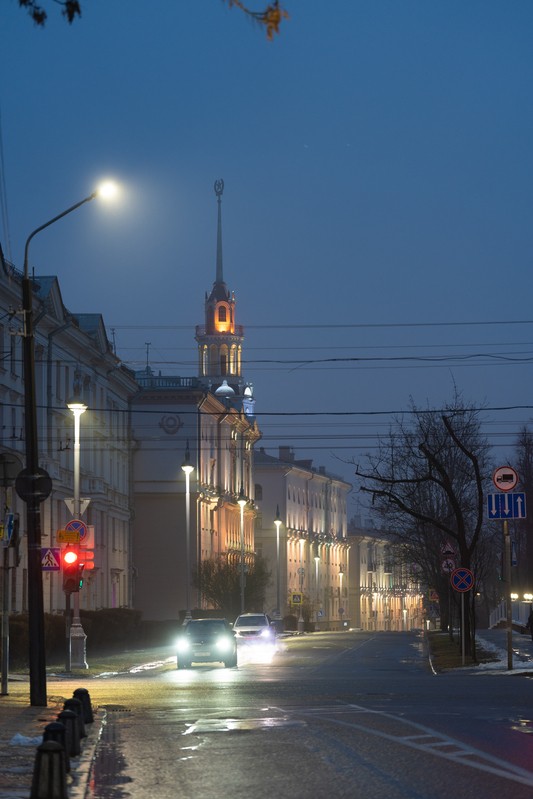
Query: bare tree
x=219, y=583
x=427, y=483
x=269, y=17
x=523, y=530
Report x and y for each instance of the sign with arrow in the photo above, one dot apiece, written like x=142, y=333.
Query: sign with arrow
x=506, y=506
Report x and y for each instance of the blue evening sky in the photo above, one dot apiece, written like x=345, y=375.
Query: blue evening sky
x=378, y=169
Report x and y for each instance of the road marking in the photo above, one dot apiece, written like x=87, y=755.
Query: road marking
x=227, y=725
x=438, y=744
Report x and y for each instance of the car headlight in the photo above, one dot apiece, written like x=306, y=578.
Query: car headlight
x=266, y=633
x=224, y=644
x=182, y=644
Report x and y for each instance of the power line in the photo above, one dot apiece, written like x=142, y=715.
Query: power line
x=341, y=326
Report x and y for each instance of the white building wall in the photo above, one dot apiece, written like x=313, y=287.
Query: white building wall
x=68, y=348
x=312, y=507
x=383, y=594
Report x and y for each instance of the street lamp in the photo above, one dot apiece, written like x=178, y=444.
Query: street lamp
x=34, y=484
x=242, y=503
x=301, y=573
x=76, y=635
x=317, y=563
x=341, y=604
x=187, y=468
x=277, y=522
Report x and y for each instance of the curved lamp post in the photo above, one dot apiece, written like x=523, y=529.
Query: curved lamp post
x=187, y=468
x=37, y=486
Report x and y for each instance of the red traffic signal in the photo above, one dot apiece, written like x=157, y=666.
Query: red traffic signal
x=87, y=558
x=72, y=570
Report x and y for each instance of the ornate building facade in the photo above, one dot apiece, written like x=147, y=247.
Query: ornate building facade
x=384, y=591
x=301, y=530
x=73, y=358
x=178, y=522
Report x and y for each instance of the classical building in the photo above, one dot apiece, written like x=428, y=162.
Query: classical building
x=301, y=530
x=384, y=592
x=73, y=358
x=207, y=422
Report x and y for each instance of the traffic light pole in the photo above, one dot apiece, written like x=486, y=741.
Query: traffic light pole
x=78, y=638
x=33, y=508
x=68, y=661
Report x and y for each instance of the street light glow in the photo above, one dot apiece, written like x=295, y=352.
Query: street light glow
x=76, y=407
x=107, y=190
x=187, y=468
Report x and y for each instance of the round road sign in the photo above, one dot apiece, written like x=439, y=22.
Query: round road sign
x=33, y=486
x=462, y=579
x=77, y=526
x=505, y=478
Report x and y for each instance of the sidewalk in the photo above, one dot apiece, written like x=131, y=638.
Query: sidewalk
x=522, y=647
x=21, y=726
x=21, y=732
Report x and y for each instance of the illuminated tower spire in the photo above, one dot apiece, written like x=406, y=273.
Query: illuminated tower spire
x=220, y=339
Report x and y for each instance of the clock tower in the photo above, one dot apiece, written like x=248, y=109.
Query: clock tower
x=220, y=338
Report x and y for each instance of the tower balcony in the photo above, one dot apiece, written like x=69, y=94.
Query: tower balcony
x=202, y=331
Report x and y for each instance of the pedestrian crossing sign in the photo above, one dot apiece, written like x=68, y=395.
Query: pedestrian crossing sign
x=51, y=559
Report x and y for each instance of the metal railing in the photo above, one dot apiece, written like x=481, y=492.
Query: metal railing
x=160, y=381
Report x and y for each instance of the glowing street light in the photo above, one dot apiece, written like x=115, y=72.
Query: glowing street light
x=76, y=636
x=301, y=573
x=277, y=522
x=242, y=503
x=188, y=468
x=317, y=564
x=33, y=484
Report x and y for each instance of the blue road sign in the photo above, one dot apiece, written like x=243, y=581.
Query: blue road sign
x=77, y=526
x=462, y=580
x=506, y=506
x=50, y=559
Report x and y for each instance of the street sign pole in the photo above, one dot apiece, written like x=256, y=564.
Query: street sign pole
x=462, y=580
x=463, y=629
x=505, y=478
x=509, y=608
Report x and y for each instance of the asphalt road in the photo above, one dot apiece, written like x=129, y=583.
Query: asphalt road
x=340, y=715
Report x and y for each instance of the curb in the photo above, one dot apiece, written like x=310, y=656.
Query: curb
x=81, y=766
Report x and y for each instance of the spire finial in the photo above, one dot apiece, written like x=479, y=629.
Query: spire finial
x=219, y=190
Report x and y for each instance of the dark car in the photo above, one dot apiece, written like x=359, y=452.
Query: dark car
x=206, y=641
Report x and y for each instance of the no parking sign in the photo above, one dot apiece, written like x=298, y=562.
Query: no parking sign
x=462, y=580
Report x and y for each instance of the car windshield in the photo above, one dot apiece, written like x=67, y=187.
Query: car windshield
x=253, y=621
x=209, y=627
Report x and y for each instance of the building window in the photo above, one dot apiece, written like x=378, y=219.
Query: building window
x=222, y=314
x=258, y=490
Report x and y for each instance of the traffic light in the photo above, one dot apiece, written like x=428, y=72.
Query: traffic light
x=72, y=571
x=87, y=558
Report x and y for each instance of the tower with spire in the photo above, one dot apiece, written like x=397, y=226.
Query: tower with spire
x=220, y=338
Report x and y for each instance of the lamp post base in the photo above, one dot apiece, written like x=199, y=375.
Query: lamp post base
x=300, y=625
x=77, y=647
